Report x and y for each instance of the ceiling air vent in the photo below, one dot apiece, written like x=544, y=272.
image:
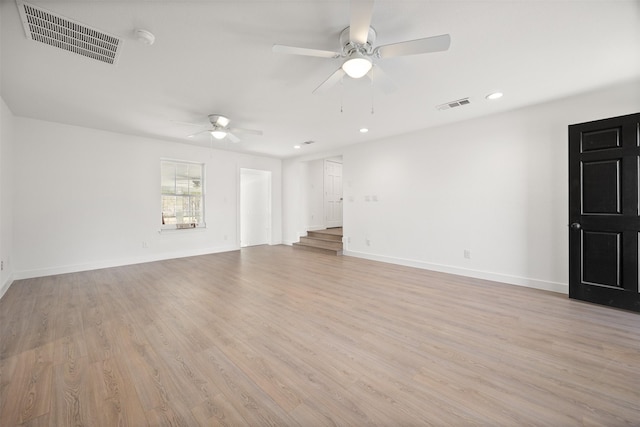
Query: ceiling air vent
x=453, y=104
x=47, y=27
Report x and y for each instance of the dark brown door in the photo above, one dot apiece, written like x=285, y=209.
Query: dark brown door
x=604, y=221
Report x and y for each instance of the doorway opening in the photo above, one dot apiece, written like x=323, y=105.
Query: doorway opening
x=332, y=193
x=255, y=207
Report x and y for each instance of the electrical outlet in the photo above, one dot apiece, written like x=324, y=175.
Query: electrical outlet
x=368, y=242
x=467, y=254
x=144, y=245
x=1, y=265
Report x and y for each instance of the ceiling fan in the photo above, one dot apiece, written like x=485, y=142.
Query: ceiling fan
x=357, y=49
x=220, y=129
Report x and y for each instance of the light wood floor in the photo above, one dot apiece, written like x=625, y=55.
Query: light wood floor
x=274, y=336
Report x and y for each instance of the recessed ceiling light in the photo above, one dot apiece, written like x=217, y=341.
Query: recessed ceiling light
x=297, y=147
x=364, y=130
x=494, y=95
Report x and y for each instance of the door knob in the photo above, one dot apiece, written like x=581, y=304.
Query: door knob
x=576, y=226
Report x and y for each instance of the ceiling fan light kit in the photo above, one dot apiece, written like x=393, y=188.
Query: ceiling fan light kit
x=218, y=134
x=220, y=129
x=357, y=65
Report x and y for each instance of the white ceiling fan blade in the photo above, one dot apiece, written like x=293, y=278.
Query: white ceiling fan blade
x=332, y=80
x=177, y=122
x=233, y=138
x=247, y=131
x=414, y=47
x=292, y=50
x=198, y=133
x=361, y=13
x=381, y=79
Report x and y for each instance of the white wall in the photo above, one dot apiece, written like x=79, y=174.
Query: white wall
x=293, y=200
x=6, y=196
x=496, y=186
x=88, y=199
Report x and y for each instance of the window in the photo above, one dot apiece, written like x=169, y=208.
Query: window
x=182, y=189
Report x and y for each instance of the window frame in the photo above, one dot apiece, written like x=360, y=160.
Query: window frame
x=182, y=163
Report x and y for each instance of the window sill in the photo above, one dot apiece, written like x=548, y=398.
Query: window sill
x=181, y=228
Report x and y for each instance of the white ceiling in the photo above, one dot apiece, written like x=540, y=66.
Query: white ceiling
x=215, y=57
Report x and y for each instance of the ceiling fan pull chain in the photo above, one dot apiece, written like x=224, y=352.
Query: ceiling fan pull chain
x=341, y=96
x=372, y=99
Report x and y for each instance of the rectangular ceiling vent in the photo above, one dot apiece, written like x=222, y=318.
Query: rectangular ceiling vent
x=47, y=27
x=453, y=104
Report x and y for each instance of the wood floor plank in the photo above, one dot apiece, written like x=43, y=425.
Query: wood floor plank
x=72, y=404
x=100, y=341
x=143, y=367
x=256, y=407
x=7, y=369
x=183, y=371
x=308, y=416
x=217, y=411
x=319, y=385
x=273, y=336
x=41, y=421
x=114, y=394
x=263, y=373
x=28, y=396
x=15, y=322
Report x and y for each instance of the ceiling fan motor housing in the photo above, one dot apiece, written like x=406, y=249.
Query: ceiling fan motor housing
x=218, y=120
x=348, y=47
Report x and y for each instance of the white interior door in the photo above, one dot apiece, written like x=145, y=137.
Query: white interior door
x=332, y=193
x=255, y=207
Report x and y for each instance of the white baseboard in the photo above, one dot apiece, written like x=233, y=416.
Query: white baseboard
x=562, y=288
x=50, y=271
x=496, y=277
x=5, y=286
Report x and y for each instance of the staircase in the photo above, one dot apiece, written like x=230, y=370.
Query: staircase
x=327, y=241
